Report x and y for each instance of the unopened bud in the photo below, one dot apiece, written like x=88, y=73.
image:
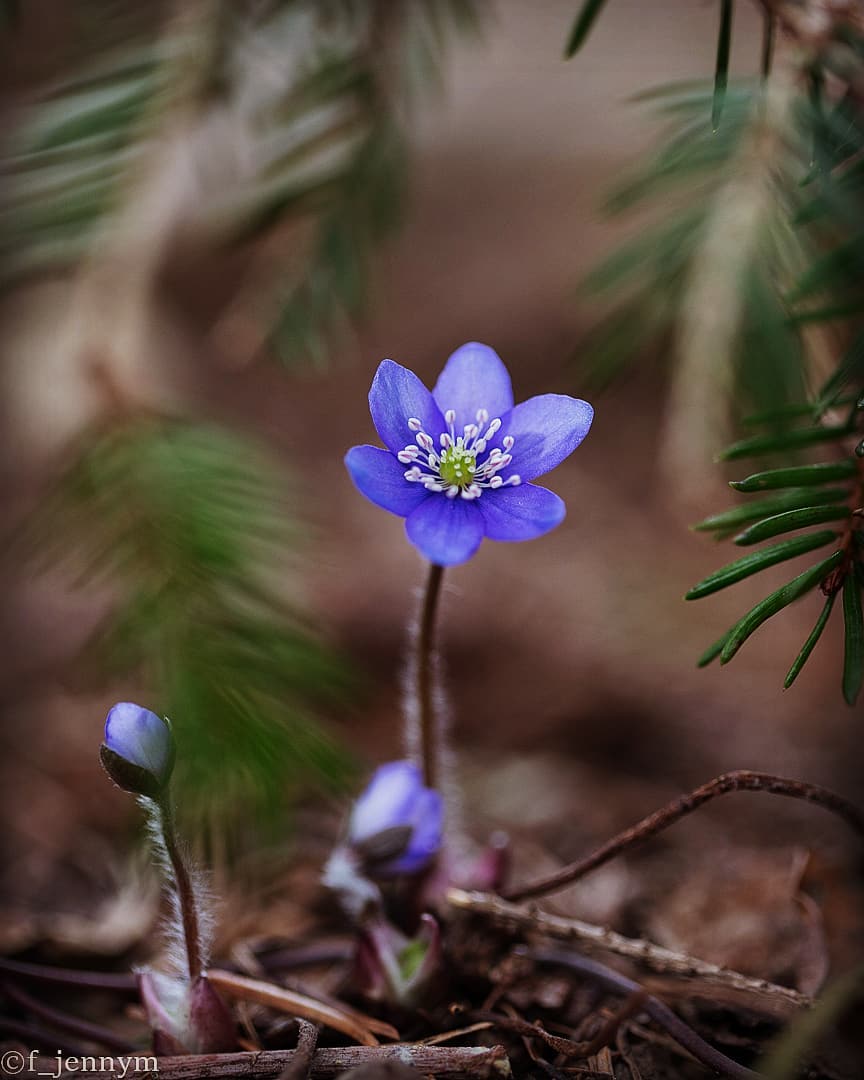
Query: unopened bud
x=138, y=751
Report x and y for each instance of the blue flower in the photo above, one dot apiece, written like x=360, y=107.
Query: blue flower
x=460, y=460
x=138, y=751
x=396, y=824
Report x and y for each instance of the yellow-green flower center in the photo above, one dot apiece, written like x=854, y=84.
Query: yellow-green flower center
x=457, y=466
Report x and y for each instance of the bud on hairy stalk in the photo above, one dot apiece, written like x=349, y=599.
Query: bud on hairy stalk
x=186, y=1014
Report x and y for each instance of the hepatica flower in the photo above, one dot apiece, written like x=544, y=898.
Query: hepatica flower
x=460, y=460
x=396, y=823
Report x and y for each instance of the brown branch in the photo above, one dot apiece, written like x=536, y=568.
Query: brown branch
x=300, y=1068
x=444, y=1062
x=659, y=1012
x=568, y=1047
x=88, y=980
x=740, y=780
x=636, y=949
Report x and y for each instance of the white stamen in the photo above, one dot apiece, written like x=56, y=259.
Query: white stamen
x=468, y=476
x=493, y=428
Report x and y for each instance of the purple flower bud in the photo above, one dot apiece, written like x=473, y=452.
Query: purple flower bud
x=396, y=823
x=138, y=751
x=184, y=1017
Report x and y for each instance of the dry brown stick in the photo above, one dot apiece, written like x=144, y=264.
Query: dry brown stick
x=307, y=1043
x=740, y=780
x=637, y=949
x=357, y=1025
x=444, y=1062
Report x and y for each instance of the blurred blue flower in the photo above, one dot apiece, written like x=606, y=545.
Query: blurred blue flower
x=459, y=460
x=396, y=824
x=138, y=751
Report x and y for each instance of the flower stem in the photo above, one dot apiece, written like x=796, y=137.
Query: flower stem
x=185, y=890
x=429, y=748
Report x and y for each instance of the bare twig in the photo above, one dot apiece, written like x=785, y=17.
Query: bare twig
x=357, y=1025
x=444, y=1062
x=63, y=1021
x=570, y=1048
x=659, y=1012
x=637, y=949
x=740, y=780
x=307, y=1042
x=89, y=980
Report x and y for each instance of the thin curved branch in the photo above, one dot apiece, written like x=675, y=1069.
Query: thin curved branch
x=740, y=780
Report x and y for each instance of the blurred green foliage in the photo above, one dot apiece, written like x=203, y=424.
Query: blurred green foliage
x=186, y=527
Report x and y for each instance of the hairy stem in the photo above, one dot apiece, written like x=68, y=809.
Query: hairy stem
x=429, y=749
x=185, y=891
x=740, y=780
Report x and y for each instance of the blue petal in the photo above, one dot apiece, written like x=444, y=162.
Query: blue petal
x=520, y=513
x=141, y=737
x=389, y=800
x=546, y=430
x=396, y=396
x=474, y=378
x=446, y=531
x=428, y=823
x=379, y=476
